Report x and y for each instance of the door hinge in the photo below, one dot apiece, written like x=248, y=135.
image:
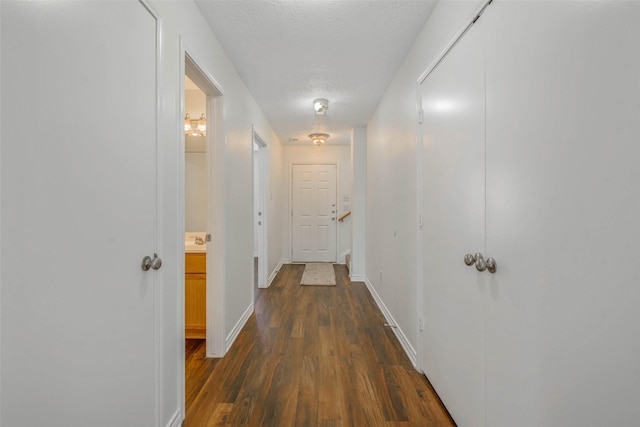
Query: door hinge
x=420, y=323
x=420, y=220
x=420, y=116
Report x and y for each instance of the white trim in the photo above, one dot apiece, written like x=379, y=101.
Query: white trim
x=1, y=370
x=357, y=278
x=461, y=32
x=159, y=240
x=176, y=419
x=402, y=338
x=215, y=288
x=275, y=272
x=238, y=327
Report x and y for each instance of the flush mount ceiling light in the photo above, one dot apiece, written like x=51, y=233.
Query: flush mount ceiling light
x=318, y=138
x=321, y=106
x=195, y=127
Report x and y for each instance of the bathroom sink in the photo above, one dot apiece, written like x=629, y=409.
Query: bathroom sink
x=191, y=247
x=190, y=244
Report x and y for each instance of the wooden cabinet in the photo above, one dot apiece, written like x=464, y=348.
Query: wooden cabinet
x=195, y=293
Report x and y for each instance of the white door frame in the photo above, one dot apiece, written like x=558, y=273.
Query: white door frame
x=215, y=339
x=290, y=213
x=262, y=157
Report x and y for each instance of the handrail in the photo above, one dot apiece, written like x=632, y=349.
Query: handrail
x=344, y=216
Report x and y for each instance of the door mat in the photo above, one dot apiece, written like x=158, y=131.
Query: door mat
x=318, y=274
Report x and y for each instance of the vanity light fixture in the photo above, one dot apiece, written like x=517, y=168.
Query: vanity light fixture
x=318, y=138
x=320, y=106
x=195, y=127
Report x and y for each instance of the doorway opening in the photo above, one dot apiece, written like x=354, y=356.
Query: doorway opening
x=202, y=220
x=260, y=232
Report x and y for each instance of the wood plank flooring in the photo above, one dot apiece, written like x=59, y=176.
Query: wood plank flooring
x=311, y=356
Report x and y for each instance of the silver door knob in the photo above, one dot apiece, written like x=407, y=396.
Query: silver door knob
x=480, y=263
x=156, y=262
x=146, y=263
x=491, y=265
x=469, y=259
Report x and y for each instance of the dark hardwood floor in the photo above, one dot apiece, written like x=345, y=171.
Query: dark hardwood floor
x=311, y=356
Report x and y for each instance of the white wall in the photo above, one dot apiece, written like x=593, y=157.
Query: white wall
x=326, y=154
x=182, y=20
x=391, y=224
x=195, y=186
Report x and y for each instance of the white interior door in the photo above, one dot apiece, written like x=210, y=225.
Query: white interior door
x=260, y=189
x=563, y=202
x=454, y=216
x=314, y=213
x=78, y=214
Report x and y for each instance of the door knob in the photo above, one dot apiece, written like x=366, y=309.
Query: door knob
x=491, y=265
x=481, y=265
x=156, y=262
x=146, y=263
x=259, y=222
x=469, y=259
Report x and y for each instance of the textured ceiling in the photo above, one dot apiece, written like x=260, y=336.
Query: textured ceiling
x=289, y=53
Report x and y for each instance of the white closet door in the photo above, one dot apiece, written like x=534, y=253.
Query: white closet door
x=563, y=209
x=78, y=215
x=454, y=223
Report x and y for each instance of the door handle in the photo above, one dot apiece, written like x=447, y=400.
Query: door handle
x=149, y=263
x=156, y=262
x=481, y=265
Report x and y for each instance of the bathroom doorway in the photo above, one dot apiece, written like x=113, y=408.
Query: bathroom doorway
x=260, y=232
x=196, y=198
x=201, y=189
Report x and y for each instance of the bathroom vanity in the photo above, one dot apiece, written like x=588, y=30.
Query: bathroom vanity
x=195, y=284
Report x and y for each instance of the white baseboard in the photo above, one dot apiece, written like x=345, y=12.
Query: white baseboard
x=238, y=327
x=176, y=420
x=275, y=272
x=404, y=342
x=355, y=278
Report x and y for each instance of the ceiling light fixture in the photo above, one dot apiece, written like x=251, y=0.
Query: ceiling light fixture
x=318, y=138
x=321, y=106
x=195, y=127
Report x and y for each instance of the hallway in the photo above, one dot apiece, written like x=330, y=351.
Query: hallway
x=311, y=356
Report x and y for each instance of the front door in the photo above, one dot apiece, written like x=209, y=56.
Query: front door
x=314, y=213
x=79, y=314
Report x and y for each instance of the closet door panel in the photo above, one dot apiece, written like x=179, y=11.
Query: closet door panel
x=454, y=193
x=563, y=155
